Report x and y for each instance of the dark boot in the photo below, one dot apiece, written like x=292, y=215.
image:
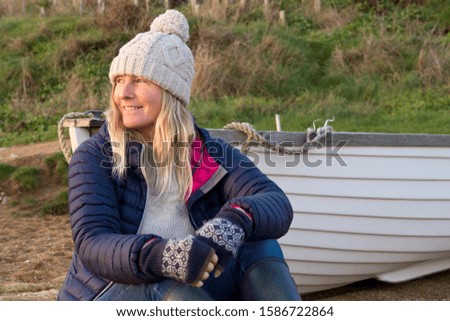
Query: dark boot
x=269, y=280
x=184, y=292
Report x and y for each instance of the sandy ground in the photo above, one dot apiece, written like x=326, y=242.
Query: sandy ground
x=35, y=251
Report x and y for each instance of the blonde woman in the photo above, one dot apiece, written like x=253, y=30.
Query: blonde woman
x=160, y=210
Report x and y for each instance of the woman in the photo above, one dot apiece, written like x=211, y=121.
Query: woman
x=159, y=209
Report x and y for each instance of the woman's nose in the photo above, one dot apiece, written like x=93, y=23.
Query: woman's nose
x=125, y=90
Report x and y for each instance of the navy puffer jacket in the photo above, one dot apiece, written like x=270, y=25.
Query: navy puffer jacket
x=105, y=211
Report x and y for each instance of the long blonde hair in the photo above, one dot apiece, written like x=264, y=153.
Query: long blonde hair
x=170, y=151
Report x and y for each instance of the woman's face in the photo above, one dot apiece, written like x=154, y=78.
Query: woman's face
x=139, y=102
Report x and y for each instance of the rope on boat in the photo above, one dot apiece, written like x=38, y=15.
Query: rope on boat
x=63, y=138
x=313, y=137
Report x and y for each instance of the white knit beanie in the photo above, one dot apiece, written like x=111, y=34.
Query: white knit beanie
x=160, y=55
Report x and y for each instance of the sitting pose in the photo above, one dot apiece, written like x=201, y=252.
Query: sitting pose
x=159, y=209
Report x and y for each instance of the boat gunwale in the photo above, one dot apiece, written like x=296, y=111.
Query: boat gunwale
x=299, y=138
x=296, y=139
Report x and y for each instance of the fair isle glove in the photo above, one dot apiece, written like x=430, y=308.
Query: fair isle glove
x=226, y=233
x=184, y=260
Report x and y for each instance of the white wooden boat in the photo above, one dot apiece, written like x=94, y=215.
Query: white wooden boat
x=376, y=207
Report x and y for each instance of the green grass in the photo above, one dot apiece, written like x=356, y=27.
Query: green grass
x=26, y=177
x=5, y=171
x=382, y=68
x=58, y=166
x=57, y=206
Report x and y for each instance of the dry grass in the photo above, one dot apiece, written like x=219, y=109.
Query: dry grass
x=433, y=62
x=374, y=55
x=237, y=69
x=123, y=16
x=331, y=19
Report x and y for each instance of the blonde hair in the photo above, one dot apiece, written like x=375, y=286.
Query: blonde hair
x=170, y=151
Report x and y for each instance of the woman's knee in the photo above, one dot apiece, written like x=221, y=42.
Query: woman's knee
x=254, y=252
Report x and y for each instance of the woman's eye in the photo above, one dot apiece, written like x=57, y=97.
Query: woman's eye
x=119, y=80
x=139, y=80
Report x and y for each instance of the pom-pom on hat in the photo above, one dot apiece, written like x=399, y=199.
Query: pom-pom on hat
x=160, y=55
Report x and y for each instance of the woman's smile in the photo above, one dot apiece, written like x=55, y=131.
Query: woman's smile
x=131, y=108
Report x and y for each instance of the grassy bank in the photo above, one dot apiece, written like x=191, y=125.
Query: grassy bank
x=379, y=66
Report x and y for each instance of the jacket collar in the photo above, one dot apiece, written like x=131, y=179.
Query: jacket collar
x=206, y=166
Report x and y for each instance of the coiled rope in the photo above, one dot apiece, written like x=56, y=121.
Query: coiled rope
x=63, y=138
x=313, y=137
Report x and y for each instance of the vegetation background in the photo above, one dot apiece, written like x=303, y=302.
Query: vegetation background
x=375, y=65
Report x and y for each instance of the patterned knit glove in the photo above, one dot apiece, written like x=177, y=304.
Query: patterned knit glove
x=183, y=260
x=226, y=233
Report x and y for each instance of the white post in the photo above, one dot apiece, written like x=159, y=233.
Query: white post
x=278, y=122
x=77, y=136
x=282, y=18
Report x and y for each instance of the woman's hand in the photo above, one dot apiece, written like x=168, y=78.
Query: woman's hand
x=187, y=260
x=209, y=268
x=226, y=233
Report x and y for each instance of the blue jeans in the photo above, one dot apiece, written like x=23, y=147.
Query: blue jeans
x=226, y=287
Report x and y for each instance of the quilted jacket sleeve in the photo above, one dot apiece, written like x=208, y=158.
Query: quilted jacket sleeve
x=96, y=221
x=247, y=187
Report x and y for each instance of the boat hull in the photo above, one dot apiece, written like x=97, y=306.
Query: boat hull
x=366, y=212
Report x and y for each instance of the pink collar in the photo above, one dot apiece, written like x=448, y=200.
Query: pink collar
x=203, y=165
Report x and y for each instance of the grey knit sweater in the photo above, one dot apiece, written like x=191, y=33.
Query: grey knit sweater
x=166, y=216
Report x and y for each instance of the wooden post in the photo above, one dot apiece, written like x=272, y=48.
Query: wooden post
x=266, y=9
x=317, y=6
x=101, y=6
x=167, y=4
x=282, y=15
x=197, y=9
x=24, y=83
x=215, y=9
